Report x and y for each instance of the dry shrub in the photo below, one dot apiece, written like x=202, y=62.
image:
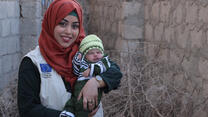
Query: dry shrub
x=149, y=88
x=8, y=101
x=154, y=88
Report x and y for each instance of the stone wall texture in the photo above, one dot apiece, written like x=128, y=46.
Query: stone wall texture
x=171, y=32
x=176, y=33
x=118, y=23
x=9, y=40
x=85, y=6
x=20, y=25
x=178, y=30
x=30, y=24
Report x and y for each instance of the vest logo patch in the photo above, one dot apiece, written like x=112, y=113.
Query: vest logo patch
x=46, y=70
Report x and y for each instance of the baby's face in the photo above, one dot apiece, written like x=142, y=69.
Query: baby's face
x=94, y=55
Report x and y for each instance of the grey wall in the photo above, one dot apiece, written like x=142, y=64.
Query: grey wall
x=20, y=25
x=30, y=24
x=9, y=40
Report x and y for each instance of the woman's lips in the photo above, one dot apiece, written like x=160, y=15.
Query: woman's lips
x=66, y=39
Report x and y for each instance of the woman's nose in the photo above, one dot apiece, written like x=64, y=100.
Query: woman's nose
x=68, y=30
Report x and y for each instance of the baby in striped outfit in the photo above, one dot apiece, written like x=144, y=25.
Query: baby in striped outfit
x=88, y=62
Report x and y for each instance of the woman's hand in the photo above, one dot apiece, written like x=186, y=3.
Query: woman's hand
x=90, y=94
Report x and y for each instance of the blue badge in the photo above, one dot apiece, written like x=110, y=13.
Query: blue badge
x=45, y=68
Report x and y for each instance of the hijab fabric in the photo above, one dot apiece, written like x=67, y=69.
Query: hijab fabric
x=58, y=57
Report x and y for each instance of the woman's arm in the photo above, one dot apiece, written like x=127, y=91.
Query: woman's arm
x=111, y=77
x=29, y=104
x=110, y=80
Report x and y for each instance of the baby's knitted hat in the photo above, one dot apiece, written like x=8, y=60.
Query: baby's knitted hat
x=91, y=42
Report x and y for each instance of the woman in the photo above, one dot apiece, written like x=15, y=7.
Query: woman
x=46, y=79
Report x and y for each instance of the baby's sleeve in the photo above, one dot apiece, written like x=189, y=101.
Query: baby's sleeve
x=100, y=67
x=76, y=62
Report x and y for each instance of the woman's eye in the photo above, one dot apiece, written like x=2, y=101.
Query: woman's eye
x=63, y=24
x=75, y=26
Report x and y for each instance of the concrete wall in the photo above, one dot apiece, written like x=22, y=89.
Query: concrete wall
x=120, y=24
x=172, y=32
x=20, y=25
x=85, y=5
x=176, y=32
x=30, y=24
x=9, y=40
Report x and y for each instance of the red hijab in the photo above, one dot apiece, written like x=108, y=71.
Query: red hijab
x=59, y=58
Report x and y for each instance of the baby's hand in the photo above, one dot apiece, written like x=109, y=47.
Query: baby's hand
x=86, y=72
x=79, y=56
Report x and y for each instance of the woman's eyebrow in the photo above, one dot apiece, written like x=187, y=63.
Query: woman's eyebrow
x=68, y=21
x=65, y=20
x=73, y=22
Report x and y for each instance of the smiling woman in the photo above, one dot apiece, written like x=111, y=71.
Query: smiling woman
x=67, y=30
x=46, y=78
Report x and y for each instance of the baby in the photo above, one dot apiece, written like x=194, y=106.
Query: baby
x=89, y=62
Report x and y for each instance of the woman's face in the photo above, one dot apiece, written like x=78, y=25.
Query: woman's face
x=67, y=30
